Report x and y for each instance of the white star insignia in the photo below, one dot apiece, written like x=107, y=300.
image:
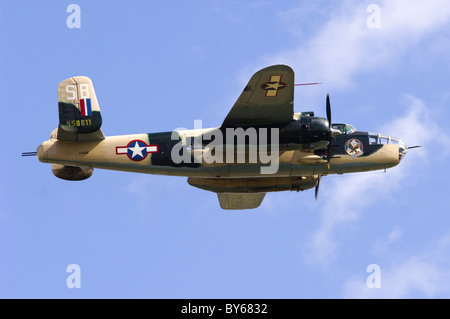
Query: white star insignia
x=137, y=150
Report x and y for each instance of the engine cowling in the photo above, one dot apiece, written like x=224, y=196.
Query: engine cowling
x=310, y=131
x=71, y=173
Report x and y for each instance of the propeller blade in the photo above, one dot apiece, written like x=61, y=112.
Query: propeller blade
x=329, y=125
x=329, y=154
x=317, y=187
x=328, y=110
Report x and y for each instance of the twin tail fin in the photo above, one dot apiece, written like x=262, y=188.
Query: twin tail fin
x=79, y=113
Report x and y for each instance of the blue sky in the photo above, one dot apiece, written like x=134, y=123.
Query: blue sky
x=157, y=66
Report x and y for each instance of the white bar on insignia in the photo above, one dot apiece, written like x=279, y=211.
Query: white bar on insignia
x=152, y=148
x=122, y=150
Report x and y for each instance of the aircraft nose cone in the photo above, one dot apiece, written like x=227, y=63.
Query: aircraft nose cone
x=402, y=150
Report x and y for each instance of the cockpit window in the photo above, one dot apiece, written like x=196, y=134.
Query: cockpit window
x=378, y=139
x=350, y=129
x=344, y=128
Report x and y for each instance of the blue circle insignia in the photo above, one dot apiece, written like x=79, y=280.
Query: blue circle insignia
x=137, y=150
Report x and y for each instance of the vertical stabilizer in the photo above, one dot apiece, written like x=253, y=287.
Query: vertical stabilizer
x=79, y=113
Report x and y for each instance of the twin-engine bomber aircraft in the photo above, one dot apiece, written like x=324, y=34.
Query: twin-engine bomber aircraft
x=262, y=145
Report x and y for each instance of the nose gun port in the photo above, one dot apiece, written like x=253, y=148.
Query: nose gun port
x=402, y=150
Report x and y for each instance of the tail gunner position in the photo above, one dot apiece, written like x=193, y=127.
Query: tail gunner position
x=261, y=131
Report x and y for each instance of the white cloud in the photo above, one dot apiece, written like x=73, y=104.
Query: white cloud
x=345, y=46
x=419, y=127
x=339, y=209
x=342, y=48
x=382, y=245
x=425, y=275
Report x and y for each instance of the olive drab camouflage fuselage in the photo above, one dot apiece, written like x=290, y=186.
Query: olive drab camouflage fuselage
x=262, y=145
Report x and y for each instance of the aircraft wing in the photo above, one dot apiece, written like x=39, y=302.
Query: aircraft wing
x=268, y=98
x=240, y=200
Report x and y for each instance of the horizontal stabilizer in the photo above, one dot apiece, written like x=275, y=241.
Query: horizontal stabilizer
x=240, y=201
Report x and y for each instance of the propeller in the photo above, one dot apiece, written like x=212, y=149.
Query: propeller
x=328, y=155
x=316, y=192
x=328, y=109
x=329, y=125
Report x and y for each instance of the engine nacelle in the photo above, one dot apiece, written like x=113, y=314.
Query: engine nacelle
x=71, y=173
x=310, y=131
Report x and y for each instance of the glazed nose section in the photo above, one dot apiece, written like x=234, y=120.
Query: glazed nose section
x=402, y=150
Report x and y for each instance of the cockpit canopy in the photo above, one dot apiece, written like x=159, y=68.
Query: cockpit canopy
x=343, y=128
x=377, y=139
